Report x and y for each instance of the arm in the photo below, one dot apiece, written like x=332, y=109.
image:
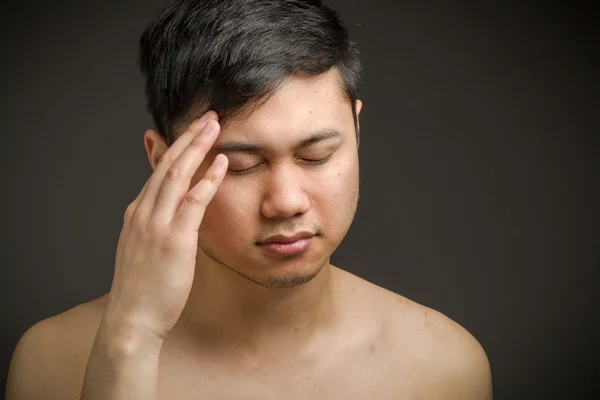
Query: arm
x=153, y=275
x=123, y=361
x=154, y=269
x=49, y=361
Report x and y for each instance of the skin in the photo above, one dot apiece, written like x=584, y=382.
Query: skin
x=258, y=326
x=251, y=290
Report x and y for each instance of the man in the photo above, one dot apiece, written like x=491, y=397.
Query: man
x=222, y=286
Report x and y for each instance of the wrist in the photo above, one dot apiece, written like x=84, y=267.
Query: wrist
x=122, y=338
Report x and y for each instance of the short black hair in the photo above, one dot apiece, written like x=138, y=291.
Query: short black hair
x=225, y=55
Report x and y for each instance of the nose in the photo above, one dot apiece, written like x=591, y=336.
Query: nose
x=285, y=193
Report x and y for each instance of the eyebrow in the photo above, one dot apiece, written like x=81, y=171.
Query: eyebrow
x=234, y=146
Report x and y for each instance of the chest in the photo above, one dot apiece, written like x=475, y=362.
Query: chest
x=359, y=374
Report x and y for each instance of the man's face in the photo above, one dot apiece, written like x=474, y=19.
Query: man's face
x=285, y=189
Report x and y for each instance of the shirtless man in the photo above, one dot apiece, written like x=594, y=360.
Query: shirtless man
x=222, y=285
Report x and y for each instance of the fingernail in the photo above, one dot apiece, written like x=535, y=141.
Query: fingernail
x=219, y=160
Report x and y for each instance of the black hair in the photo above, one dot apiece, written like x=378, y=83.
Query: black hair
x=227, y=55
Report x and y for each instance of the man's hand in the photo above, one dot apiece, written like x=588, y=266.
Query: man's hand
x=157, y=248
x=154, y=268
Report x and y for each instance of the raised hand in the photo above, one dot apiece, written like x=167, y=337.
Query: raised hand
x=157, y=247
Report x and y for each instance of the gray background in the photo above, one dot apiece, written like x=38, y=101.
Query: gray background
x=479, y=169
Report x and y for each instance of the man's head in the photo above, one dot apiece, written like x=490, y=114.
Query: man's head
x=231, y=55
x=275, y=73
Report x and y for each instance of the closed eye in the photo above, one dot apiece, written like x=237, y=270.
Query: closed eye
x=316, y=162
x=304, y=160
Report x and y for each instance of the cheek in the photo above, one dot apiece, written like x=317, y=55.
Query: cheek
x=228, y=216
x=344, y=180
x=337, y=192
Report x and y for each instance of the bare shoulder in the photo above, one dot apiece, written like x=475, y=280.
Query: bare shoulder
x=452, y=360
x=438, y=354
x=50, y=358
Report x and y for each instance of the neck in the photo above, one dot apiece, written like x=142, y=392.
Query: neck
x=234, y=310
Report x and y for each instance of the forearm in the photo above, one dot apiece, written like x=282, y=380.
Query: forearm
x=123, y=365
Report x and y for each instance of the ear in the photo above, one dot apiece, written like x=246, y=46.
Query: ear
x=155, y=146
x=359, y=105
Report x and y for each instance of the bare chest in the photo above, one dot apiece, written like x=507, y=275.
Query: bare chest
x=366, y=373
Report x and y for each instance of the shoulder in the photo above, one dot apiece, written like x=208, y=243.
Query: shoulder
x=436, y=354
x=50, y=358
x=458, y=363
x=450, y=360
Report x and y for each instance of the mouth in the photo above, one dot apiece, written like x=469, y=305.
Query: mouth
x=288, y=245
x=283, y=239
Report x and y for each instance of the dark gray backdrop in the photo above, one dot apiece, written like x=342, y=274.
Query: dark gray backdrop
x=478, y=164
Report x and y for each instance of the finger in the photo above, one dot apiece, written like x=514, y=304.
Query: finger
x=189, y=215
x=178, y=177
x=132, y=208
x=140, y=194
x=147, y=200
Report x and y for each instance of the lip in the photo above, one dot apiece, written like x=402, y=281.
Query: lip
x=282, y=239
x=288, y=248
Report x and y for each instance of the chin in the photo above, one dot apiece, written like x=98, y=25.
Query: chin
x=277, y=274
x=281, y=279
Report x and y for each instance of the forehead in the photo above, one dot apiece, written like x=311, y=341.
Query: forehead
x=300, y=106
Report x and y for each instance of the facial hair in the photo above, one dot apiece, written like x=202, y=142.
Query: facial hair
x=273, y=282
